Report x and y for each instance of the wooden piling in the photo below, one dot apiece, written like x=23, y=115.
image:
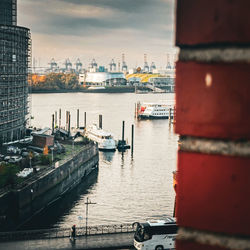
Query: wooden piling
x=53, y=123
x=77, y=125
x=100, y=121
x=67, y=120
x=85, y=120
x=123, y=128
x=69, y=123
x=138, y=105
x=55, y=118
x=60, y=117
x=132, y=139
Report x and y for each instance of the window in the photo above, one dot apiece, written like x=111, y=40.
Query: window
x=167, y=229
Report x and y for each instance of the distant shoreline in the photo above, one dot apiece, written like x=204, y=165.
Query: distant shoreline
x=106, y=90
x=111, y=90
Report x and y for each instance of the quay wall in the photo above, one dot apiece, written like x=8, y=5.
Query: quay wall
x=30, y=199
x=85, y=90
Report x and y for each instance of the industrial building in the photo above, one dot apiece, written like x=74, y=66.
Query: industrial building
x=15, y=55
x=140, y=77
x=164, y=82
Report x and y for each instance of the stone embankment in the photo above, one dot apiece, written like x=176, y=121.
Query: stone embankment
x=21, y=203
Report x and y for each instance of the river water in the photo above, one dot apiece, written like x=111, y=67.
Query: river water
x=127, y=188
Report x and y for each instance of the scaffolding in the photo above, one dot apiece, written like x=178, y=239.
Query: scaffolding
x=15, y=60
x=8, y=12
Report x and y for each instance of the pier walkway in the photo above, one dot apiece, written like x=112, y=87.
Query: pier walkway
x=97, y=237
x=155, y=89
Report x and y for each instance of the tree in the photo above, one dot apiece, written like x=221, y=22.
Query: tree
x=8, y=174
x=54, y=81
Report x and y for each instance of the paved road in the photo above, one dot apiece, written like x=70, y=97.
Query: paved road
x=110, y=241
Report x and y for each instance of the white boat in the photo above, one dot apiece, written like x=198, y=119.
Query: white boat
x=104, y=139
x=156, y=111
x=96, y=87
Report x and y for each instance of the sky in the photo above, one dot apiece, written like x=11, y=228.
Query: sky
x=100, y=29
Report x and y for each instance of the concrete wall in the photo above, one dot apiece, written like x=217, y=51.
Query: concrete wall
x=34, y=197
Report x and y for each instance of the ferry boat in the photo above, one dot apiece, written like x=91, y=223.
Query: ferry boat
x=96, y=87
x=156, y=111
x=104, y=139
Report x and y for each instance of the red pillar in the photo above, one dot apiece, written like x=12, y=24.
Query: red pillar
x=213, y=119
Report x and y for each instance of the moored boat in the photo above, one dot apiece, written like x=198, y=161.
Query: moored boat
x=156, y=111
x=104, y=139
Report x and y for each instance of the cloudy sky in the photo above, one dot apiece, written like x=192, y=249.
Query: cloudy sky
x=100, y=29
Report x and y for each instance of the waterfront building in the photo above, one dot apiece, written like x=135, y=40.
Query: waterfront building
x=102, y=79
x=166, y=82
x=141, y=78
x=15, y=54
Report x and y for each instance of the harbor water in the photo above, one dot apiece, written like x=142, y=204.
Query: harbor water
x=127, y=188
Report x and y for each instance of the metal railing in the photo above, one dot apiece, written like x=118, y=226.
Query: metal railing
x=65, y=232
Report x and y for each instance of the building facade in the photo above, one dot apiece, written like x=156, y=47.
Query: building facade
x=15, y=54
x=8, y=14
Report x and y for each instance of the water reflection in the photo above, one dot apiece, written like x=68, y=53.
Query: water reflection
x=106, y=157
x=52, y=214
x=130, y=187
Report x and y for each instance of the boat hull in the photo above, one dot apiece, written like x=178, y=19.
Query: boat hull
x=105, y=141
x=152, y=117
x=107, y=149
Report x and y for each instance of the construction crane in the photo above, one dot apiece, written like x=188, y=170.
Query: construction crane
x=68, y=65
x=124, y=65
x=168, y=62
x=146, y=67
x=78, y=65
x=152, y=67
x=112, y=66
x=53, y=65
x=93, y=63
x=93, y=66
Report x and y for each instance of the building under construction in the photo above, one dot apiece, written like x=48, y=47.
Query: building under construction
x=15, y=55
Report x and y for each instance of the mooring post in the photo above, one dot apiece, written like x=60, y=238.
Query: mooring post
x=60, y=117
x=67, y=120
x=69, y=123
x=55, y=118
x=53, y=123
x=77, y=125
x=132, y=139
x=123, y=128
x=100, y=121
x=85, y=119
x=138, y=105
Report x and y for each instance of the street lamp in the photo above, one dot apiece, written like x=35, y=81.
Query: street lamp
x=87, y=206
